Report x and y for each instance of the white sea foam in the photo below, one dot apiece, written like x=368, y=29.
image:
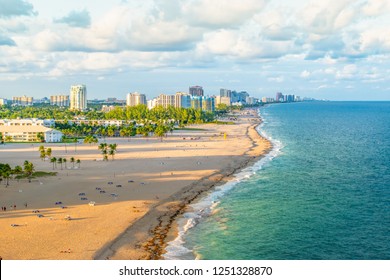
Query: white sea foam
x=176, y=249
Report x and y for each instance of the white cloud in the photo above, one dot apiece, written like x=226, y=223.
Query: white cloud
x=228, y=13
x=279, y=79
x=305, y=74
x=348, y=72
x=376, y=7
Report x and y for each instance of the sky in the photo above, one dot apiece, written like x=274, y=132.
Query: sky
x=334, y=49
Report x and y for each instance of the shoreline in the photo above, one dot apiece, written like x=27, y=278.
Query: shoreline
x=150, y=243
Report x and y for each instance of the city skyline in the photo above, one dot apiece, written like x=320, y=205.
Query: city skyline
x=338, y=50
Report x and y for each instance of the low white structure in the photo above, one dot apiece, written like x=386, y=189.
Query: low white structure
x=28, y=130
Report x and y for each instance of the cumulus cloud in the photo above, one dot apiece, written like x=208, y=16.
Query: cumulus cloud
x=12, y=8
x=376, y=7
x=76, y=19
x=312, y=41
x=6, y=41
x=221, y=14
x=348, y=72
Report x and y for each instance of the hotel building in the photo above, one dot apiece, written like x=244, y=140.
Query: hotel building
x=78, y=98
x=166, y=100
x=59, y=100
x=22, y=101
x=134, y=99
x=28, y=130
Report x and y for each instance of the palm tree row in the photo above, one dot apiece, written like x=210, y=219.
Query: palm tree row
x=103, y=147
x=61, y=161
x=43, y=152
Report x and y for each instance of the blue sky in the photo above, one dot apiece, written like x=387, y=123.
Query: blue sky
x=335, y=49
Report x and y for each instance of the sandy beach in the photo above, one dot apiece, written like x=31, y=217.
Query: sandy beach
x=146, y=187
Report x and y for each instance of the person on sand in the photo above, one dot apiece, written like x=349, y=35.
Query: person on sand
x=25, y=204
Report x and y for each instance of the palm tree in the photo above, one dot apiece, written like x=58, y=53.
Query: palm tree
x=6, y=175
x=48, y=152
x=42, y=155
x=54, y=161
x=41, y=137
x=112, y=150
x=72, y=160
x=8, y=138
x=78, y=162
x=29, y=169
x=17, y=170
x=60, y=161
x=103, y=148
x=41, y=148
x=64, y=161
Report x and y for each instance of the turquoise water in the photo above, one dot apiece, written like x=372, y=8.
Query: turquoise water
x=323, y=192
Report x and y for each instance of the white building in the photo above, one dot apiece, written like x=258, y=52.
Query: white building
x=28, y=130
x=3, y=101
x=152, y=103
x=78, y=98
x=135, y=98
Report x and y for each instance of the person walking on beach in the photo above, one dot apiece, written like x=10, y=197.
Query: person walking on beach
x=25, y=204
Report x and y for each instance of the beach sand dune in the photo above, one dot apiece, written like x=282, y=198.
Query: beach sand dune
x=135, y=194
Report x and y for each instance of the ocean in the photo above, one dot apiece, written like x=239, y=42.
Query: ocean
x=322, y=193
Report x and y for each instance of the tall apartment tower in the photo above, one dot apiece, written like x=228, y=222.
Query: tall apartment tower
x=166, y=100
x=279, y=97
x=225, y=93
x=182, y=100
x=196, y=91
x=134, y=99
x=78, y=98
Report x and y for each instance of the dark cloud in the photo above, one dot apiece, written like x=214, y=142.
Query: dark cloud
x=76, y=19
x=6, y=41
x=12, y=8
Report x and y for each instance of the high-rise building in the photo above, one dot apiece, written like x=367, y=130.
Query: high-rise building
x=196, y=102
x=279, y=97
x=182, y=100
x=196, y=91
x=225, y=93
x=3, y=101
x=78, y=97
x=202, y=102
x=23, y=100
x=59, y=100
x=208, y=104
x=166, y=100
x=135, y=98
